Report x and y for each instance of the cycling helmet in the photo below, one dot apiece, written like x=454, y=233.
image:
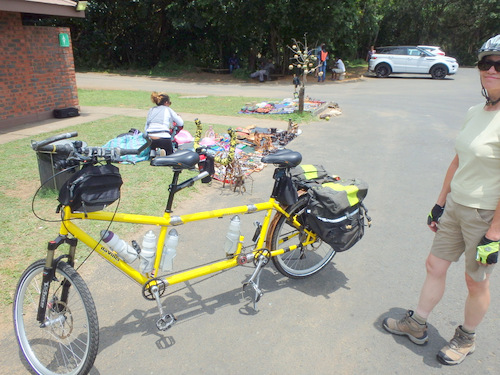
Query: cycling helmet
x=491, y=47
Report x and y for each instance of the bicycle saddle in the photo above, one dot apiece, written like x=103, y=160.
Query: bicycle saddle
x=184, y=159
x=283, y=158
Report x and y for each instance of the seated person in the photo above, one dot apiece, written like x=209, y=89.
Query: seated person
x=265, y=70
x=160, y=122
x=234, y=63
x=339, y=70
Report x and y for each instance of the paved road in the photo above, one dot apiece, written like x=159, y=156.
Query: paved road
x=395, y=133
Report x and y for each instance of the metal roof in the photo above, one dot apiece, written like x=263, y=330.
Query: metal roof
x=65, y=8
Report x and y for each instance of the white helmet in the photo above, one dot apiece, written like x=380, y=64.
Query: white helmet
x=491, y=47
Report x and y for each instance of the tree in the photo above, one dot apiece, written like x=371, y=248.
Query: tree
x=162, y=33
x=304, y=62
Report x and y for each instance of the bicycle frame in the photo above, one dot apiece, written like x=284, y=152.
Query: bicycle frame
x=165, y=221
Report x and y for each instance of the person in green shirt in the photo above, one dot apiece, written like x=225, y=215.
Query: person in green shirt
x=466, y=219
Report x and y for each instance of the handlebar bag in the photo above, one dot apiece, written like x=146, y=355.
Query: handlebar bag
x=335, y=212
x=92, y=188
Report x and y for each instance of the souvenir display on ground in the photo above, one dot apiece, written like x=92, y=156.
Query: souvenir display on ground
x=286, y=106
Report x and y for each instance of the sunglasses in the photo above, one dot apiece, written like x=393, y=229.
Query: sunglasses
x=485, y=65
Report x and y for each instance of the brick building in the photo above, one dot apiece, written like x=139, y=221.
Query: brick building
x=37, y=72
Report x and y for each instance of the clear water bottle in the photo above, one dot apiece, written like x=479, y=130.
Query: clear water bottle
x=122, y=248
x=210, y=133
x=232, y=236
x=169, y=251
x=148, y=251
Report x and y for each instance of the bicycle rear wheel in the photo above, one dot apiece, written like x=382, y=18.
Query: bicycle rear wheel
x=68, y=342
x=305, y=261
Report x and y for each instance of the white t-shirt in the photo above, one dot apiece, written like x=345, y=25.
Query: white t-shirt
x=160, y=120
x=340, y=66
x=476, y=182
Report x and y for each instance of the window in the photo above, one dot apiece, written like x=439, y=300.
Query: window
x=414, y=52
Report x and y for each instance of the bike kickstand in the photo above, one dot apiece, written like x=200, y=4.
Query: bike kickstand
x=166, y=321
x=255, y=278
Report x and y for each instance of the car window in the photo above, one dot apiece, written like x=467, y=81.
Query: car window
x=392, y=50
x=427, y=52
x=414, y=52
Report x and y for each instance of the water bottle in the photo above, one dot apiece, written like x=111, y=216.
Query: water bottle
x=122, y=248
x=232, y=236
x=148, y=252
x=169, y=251
x=210, y=132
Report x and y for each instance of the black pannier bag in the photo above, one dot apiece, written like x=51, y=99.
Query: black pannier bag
x=92, y=188
x=336, y=212
x=307, y=175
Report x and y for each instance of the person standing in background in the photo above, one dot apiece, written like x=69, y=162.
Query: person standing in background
x=322, y=62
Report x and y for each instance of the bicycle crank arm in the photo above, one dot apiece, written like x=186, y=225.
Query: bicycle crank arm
x=255, y=284
x=258, y=292
x=166, y=321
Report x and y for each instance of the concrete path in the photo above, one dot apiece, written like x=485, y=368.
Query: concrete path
x=88, y=114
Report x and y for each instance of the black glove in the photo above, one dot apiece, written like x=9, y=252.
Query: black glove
x=435, y=214
x=487, y=251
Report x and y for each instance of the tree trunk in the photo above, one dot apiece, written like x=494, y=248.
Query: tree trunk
x=301, y=99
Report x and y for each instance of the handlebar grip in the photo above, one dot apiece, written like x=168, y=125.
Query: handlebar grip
x=37, y=146
x=136, y=151
x=145, y=145
x=56, y=149
x=128, y=151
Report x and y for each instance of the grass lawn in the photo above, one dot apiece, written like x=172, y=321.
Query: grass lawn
x=210, y=105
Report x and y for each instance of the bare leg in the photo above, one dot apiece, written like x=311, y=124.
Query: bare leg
x=477, y=302
x=434, y=285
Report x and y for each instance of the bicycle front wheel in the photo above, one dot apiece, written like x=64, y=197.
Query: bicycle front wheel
x=68, y=340
x=307, y=259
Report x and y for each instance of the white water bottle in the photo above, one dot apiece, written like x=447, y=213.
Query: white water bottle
x=169, y=251
x=148, y=251
x=122, y=248
x=232, y=236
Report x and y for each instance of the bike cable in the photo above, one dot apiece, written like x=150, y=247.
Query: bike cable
x=100, y=236
x=37, y=192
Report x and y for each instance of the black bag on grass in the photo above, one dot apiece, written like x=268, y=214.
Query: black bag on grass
x=92, y=188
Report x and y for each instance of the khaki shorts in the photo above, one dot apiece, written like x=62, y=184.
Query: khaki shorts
x=460, y=230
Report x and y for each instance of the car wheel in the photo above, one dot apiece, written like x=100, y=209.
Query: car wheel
x=439, y=71
x=382, y=70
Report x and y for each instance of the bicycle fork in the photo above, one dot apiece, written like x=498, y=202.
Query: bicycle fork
x=49, y=273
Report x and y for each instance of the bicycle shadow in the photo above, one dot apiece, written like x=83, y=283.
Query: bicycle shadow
x=186, y=303
x=427, y=351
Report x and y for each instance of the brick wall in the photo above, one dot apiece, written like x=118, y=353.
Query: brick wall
x=37, y=75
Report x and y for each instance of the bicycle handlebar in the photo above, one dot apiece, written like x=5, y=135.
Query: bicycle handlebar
x=77, y=153
x=37, y=146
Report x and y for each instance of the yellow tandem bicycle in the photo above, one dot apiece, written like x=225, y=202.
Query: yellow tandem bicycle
x=55, y=318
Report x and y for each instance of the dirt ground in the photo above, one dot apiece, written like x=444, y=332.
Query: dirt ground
x=199, y=76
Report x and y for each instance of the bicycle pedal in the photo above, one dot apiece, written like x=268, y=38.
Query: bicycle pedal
x=166, y=322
